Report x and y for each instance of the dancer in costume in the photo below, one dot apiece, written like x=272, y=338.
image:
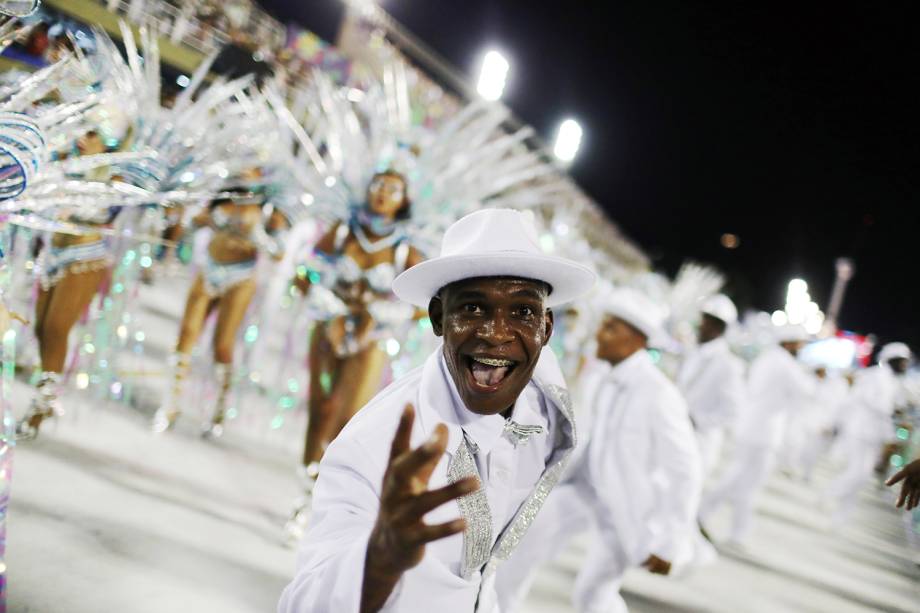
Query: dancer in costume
x=226, y=285
x=358, y=259
x=72, y=268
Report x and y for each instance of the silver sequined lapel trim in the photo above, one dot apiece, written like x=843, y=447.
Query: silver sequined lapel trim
x=474, y=509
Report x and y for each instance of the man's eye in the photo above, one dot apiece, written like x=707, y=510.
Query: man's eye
x=471, y=308
x=526, y=311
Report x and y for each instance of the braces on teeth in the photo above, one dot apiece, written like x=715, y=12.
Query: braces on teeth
x=494, y=362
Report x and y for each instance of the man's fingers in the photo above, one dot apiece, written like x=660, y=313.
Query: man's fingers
x=426, y=534
x=418, y=506
x=439, y=443
x=416, y=466
x=896, y=477
x=902, y=496
x=403, y=433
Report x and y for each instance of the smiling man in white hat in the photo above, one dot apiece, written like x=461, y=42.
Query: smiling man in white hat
x=637, y=480
x=712, y=379
x=421, y=520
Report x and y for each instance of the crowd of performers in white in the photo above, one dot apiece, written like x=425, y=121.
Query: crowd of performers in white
x=448, y=488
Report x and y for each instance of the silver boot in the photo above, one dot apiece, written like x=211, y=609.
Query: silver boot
x=45, y=404
x=215, y=428
x=166, y=416
x=298, y=520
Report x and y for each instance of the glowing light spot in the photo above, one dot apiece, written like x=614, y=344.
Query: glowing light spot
x=115, y=388
x=139, y=337
x=187, y=177
x=146, y=261
x=330, y=181
x=252, y=334
x=325, y=381
x=655, y=355
x=183, y=80
x=547, y=242
x=122, y=332
x=293, y=386
x=392, y=347
x=82, y=381
x=897, y=461
x=255, y=376
x=779, y=318
x=903, y=433
x=286, y=403
x=277, y=422
x=232, y=413
x=314, y=276
x=307, y=199
x=118, y=288
x=424, y=323
x=89, y=348
x=730, y=241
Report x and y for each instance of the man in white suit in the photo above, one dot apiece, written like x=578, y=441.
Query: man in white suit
x=712, y=380
x=778, y=386
x=637, y=481
x=420, y=521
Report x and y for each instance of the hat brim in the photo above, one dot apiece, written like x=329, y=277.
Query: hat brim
x=568, y=280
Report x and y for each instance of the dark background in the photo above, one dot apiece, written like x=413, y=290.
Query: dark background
x=793, y=126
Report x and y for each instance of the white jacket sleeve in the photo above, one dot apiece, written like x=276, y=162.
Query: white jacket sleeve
x=330, y=561
x=678, y=458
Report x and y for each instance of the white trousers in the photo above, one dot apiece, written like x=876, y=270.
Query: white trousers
x=844, y=490
x=744, y=478
x=710, y=443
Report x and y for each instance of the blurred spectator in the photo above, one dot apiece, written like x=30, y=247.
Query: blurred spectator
x=38, y=41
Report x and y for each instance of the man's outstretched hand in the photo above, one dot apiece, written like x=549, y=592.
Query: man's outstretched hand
x=397, y=542
x=910, y=489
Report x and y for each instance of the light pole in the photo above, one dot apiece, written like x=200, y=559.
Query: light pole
x=568, y=139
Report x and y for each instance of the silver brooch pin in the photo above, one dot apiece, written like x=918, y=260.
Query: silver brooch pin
x=519, y=434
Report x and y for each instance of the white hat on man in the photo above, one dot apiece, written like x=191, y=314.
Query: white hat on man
x=722, y=308
x=639, y=311
x=493, y=243
x=894, y=351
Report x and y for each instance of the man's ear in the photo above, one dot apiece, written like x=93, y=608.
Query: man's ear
x=436, y=315
x=549, y=322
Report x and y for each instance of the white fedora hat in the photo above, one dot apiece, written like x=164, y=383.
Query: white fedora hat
x=722, y=308
x=493, y=243
x=792, y=333
x=639, y=311
x=893, y=351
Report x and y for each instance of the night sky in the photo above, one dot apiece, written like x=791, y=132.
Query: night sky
x=794, y=127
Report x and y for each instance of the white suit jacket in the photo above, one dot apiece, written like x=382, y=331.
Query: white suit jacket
x=641, y=465
x=712, y=381
x=457, y=573
x=778, y=385
x=872, y=401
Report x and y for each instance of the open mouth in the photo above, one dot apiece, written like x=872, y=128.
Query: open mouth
x=488, y=374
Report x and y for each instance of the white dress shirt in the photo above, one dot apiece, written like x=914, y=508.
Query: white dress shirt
x=457, y=574
x=875, y=396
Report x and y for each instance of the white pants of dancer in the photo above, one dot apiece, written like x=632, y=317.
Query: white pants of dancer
x=744, y=478
x=567, y=513
x=844, y=490
x=710, y=442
